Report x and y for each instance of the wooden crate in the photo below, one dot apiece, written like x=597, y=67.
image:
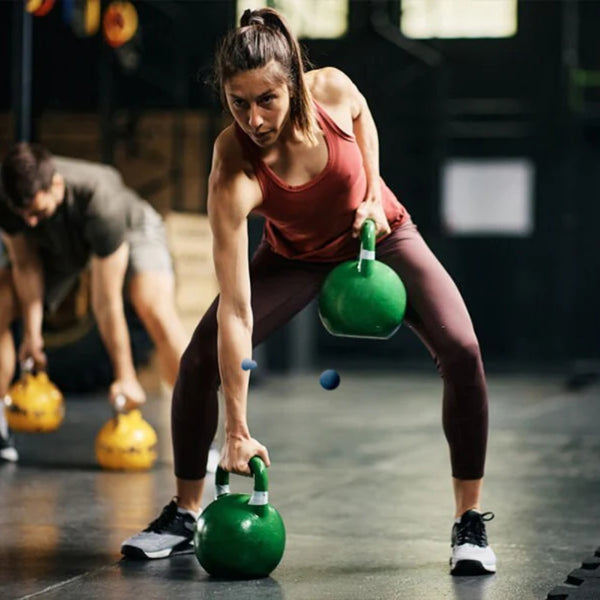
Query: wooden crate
x=190, y=243
x=154, y=158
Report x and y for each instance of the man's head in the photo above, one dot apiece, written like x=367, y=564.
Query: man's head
x=30, y=182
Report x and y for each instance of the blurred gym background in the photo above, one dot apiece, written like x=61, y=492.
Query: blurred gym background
x=489, y=121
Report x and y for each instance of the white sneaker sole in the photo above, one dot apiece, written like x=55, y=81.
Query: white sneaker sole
x=471, y=568
x=9, y=454
x=139, y=554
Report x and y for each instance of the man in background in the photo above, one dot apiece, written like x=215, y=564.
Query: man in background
x=59, y=217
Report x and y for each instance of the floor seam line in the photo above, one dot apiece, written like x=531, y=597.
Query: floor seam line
x=63, y=583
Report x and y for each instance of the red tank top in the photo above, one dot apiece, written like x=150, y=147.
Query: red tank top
x=313, y=221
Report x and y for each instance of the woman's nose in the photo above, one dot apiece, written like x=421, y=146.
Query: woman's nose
x=255, y=119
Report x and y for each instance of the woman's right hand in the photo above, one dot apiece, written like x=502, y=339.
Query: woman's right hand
x=237, y=452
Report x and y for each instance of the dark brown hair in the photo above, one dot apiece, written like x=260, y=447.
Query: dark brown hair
x=26, y=169
x=264, y=36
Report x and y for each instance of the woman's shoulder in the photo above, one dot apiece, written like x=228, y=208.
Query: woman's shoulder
x=229, y=152
x=232, y=177
x=227, y=144
x=329, y=85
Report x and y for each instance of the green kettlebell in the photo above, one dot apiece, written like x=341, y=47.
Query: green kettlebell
x=363, y=298
x=240, y=536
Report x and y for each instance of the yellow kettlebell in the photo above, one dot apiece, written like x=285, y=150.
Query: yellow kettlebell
x=126, y=442
x=34, y=404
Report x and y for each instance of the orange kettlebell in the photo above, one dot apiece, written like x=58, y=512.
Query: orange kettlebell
x=34, y=404
x=126, y=442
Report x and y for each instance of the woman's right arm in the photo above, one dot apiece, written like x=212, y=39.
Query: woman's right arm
x=29, y=283
x=232, y=194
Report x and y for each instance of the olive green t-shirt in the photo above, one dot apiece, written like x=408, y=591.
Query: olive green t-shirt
x=97, y=211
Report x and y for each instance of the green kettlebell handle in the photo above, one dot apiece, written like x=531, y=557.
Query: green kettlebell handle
x=367, y=248
x=367, y=235
x=259, y=471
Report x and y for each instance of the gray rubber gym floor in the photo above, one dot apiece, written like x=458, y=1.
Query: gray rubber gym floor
x=361, y=478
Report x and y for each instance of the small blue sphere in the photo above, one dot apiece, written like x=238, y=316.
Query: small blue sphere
x=248, y=364
x=329, y=379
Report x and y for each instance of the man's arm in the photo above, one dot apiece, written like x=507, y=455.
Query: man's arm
x=232, y=195
x=29, y=283
x=108, y=276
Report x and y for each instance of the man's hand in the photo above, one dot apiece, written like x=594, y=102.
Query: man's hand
x=131, y=390
x=371, y=208
x=237, y=452
x=33, y=347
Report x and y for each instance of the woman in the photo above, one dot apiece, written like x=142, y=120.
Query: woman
x=303, y=152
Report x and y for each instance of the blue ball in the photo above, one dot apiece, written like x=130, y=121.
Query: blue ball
x=248, y=364
x=329, y=379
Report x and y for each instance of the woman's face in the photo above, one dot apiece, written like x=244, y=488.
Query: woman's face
x=259, y=101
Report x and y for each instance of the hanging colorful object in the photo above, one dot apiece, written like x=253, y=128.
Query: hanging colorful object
x=85, y=20
x=92, y=16
x=67, y=11
x=120, y=23
x=39, y=8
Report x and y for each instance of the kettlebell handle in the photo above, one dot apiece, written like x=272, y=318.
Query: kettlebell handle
x=260, y=495
x=27, y=365
x=120, y=402
x=367, y=247
x=118, y=408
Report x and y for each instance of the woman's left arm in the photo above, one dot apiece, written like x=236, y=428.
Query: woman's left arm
x=367, y=139
x=365, y=131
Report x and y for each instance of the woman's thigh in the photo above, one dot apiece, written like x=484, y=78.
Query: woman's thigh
x=279, y=289
x=436, y=309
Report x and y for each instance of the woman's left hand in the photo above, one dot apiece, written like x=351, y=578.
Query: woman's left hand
x=371, y=208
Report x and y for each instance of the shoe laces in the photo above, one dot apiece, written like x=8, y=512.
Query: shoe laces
x=471, y=529
x=168, y=514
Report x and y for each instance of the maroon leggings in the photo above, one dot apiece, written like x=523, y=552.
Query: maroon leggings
x=282, y=287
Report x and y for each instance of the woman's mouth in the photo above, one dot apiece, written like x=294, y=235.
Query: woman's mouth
x=260, y=136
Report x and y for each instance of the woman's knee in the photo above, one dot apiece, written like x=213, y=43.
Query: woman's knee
x=197, y=381
x=200, y=356
x=197, y=359
x=462, y=356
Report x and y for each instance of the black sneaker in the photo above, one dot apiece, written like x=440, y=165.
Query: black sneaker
x=471, y=554
x=171, y=533
x=8, y=452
